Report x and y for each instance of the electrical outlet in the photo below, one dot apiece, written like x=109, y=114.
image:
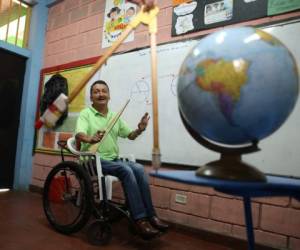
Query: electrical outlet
x=181, y=198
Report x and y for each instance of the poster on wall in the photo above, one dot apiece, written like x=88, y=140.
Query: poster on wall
x=117, y=15
x=194, y=15
x=47, y=138
x=281, y=6
x=218, y=11
x=183, y=16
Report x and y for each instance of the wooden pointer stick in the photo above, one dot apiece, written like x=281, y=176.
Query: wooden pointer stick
x=110, y=126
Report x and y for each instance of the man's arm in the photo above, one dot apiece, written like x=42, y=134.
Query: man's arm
x=82, y=126
x=141, y=127
x=82, y=137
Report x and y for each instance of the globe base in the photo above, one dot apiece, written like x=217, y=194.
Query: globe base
x=231, y=167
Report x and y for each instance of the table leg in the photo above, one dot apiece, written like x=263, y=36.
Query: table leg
x=249, y=223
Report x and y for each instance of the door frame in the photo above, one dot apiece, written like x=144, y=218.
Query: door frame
x=34, y=55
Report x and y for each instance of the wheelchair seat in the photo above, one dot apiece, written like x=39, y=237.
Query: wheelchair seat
x=87, y=160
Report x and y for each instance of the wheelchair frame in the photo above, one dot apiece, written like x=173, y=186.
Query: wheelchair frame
x=75, y=186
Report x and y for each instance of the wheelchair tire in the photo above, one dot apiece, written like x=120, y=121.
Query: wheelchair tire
x=67, y=199
x=99, y=233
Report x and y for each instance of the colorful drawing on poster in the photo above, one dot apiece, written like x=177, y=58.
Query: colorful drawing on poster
x=184, y=20
x=218, y=11
x=281, y=6
x=118, y=13
x=47, y=138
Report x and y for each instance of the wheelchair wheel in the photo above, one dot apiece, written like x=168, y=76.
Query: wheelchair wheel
x=67, y=197
x=99, y=233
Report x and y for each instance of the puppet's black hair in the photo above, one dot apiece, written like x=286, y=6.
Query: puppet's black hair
x=56, y=85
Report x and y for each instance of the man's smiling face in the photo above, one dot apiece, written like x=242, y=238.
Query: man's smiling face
x=100, y=94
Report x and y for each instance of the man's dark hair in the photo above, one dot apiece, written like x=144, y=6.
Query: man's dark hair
x=98, y=82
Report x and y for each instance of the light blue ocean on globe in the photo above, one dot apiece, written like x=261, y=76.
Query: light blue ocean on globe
x=237, y=86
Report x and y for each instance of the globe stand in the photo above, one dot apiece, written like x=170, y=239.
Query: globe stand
x=230, y=166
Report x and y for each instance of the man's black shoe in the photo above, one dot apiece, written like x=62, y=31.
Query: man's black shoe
x=158, y=224
x=145, y=230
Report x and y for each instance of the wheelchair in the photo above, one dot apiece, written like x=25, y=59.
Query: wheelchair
x=75, y=191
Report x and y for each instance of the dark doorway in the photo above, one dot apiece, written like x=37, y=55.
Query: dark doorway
x=12, y=70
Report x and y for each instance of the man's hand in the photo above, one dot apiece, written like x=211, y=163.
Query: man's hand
x=149, y=4
x=82, y=137
x=97, y=137
x=144, y=122
x=141, y=127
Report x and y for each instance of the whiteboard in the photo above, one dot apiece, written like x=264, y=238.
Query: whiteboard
x=280, y=153
x=129, y=76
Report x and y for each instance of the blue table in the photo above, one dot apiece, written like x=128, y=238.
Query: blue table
x=274, y=186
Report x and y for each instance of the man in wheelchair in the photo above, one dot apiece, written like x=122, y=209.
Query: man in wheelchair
x=90, y=128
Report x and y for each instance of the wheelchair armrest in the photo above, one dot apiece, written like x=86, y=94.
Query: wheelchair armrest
x=71, y=143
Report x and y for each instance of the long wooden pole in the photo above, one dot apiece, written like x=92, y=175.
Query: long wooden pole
x=155, y=151
x=99, y=63
x=141, y=17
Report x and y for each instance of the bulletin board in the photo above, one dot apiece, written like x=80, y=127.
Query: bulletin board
x=194, y=15
x=47, y=138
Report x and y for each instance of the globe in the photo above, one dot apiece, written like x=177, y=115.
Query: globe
x=237, y=86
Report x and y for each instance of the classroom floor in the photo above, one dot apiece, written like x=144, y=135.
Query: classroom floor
x=23, y=226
